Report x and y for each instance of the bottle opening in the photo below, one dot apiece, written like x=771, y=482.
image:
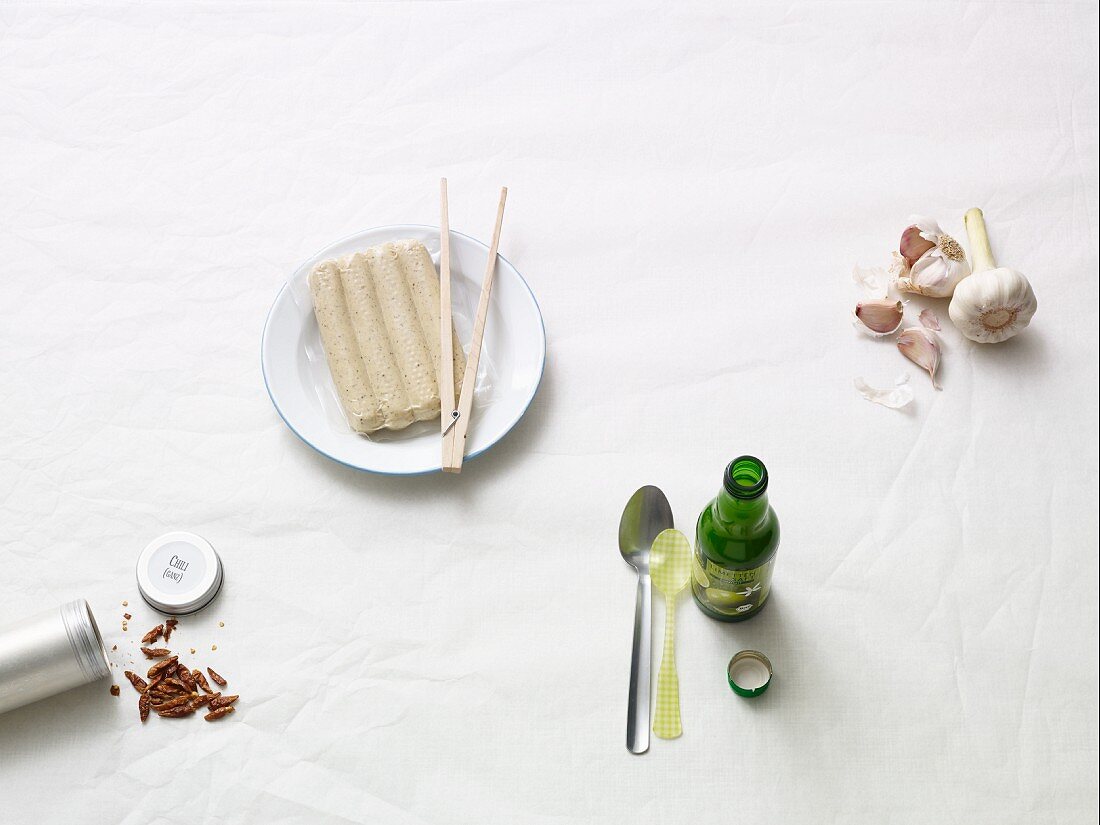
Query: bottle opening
x=746, y=477
x=85, y=639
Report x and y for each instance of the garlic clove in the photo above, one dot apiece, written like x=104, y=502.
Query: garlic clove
x=934, y=275
x=919, y=345
x=929, y=320
x=881, y=317
x=894, y=397
x=913, y=244
x=940, y=265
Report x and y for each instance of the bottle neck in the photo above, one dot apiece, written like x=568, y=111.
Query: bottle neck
x=731, y=510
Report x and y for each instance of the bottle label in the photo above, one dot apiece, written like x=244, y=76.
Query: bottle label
x=733, y=592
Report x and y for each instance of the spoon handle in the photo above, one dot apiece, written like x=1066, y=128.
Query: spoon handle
x=637, y=709
x=666, y=718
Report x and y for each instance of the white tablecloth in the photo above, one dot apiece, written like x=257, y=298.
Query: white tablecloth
x=690, y=187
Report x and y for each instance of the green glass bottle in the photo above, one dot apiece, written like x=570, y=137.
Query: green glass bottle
x=736, y=539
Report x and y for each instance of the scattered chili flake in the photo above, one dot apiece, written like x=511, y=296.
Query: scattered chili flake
x=169, y=626
x=115, y=690
x=127, y=616
x=213, y=647
x=218, y=679
x=192, y=651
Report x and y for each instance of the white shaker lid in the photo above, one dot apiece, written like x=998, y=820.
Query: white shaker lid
x=179, y=573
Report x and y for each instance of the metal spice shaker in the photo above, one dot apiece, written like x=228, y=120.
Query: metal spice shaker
x=50, y=653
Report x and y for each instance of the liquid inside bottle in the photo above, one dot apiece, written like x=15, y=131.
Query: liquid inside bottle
x=736, y=539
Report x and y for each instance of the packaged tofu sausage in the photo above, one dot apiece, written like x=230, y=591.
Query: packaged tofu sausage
x=378, y=314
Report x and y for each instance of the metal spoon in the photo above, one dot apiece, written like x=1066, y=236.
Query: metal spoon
x=646, y=515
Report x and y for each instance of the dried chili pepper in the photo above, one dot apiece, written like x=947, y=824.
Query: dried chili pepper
x=175, y=713
x=152, y=635
x=140, y=685
x=162, y=667
x=222, y=701
x=196, y=674
x=184, y=675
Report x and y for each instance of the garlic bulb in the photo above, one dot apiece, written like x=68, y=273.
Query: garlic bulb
x=879, y=317
x=995, y=302
x=919, y=345
x=929, y=261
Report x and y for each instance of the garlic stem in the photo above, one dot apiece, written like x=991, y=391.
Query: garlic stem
x=980, y=251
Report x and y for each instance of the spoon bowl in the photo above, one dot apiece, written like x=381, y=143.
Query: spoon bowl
x=670, y=563
x=644, y=517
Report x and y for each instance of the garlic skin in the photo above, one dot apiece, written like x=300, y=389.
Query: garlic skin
x=919, y=345
x=938, y=268
x=879, y=318
x=929, y=320
x=995, y=303
x=894, y=397
x=872, y=280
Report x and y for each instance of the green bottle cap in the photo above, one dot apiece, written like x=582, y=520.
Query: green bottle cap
x=749, y=673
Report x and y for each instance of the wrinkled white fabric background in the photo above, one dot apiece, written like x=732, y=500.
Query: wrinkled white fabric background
x=690, y=187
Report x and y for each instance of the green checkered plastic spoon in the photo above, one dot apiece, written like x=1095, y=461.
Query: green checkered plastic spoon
x=670, y=566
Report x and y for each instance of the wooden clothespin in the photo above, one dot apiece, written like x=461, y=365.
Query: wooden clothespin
x=455, y=416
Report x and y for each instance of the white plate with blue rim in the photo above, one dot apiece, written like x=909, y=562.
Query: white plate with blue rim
x=512, y=359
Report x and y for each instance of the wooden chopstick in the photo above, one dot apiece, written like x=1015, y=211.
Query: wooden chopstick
x=457, y=433
x=446, y=333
